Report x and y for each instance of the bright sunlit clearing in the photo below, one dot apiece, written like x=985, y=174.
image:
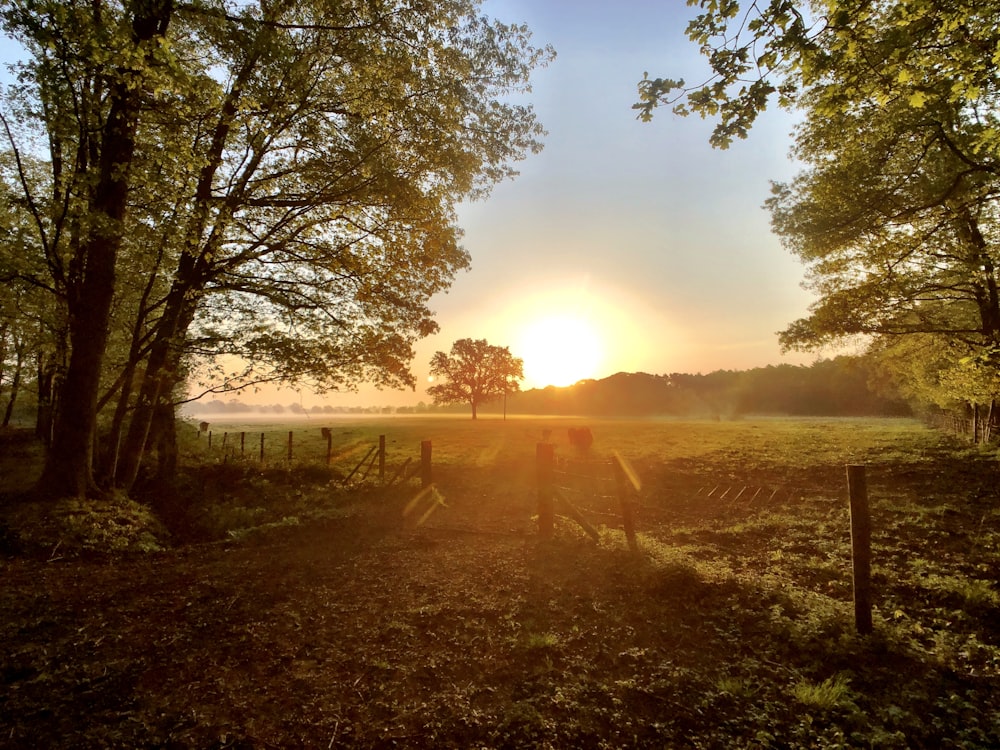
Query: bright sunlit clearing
x=559, y=350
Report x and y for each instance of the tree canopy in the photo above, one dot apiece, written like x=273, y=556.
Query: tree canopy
x=894, y=213
x=475, y=373
x=268, y=184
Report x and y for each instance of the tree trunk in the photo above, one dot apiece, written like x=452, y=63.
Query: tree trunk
x=44, y=382
x=158, y=381
x=3, y=350
x=165, y=429
x=189, y=281
x=109, y=462
x=15, y=385
x=985, y=288
x=69, y=464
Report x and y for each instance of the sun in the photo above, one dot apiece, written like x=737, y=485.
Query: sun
x=559, y=350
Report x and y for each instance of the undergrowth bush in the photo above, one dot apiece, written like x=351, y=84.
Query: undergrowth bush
x=114, y=523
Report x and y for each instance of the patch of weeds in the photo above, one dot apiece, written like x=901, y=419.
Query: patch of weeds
x=70, y=525
x=738, y=687
x=395, y=627
x=220, y=520
x=764, y=523
x=971, y=592
x=522, y=725
x=683, y=572
x=541, y=641
x=965, y=651
x=829, y=694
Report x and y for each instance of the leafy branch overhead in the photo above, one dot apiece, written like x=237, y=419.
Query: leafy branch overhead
x=783, y=49
x=895, y=212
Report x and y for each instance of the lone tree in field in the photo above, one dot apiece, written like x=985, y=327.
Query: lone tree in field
x=475, y=373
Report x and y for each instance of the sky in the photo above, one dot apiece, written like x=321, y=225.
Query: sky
x=623, y=246
x=652, y=246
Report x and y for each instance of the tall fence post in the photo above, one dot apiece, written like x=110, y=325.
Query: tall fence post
x=545, y=459
x=426, y=477
x=289, y=446
x=381, y=459
x=243, y=443
x=623, y=484
x=861, y=548
x=262, y=447
x=328, y=434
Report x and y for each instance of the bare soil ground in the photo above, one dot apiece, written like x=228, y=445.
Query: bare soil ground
x=732, y=628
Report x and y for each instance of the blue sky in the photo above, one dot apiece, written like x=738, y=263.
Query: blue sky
x=643, y=223
x=650, y=248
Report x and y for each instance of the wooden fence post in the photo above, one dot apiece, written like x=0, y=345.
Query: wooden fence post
x=545, y=459
x=243, y=443
x=289, y=446
x=426, y=477
x=209, y=438
x=861, y=548
x=625, y=500
x=329, y=446
x=262, y=447
x=381, y=459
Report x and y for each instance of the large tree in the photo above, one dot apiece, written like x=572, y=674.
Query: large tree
x=93, y=67
x=295, y=170
x=896, y=225
x=323, y=217
x=474, y=373
x=895, y=211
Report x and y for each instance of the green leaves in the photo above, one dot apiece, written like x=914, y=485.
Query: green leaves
x=475, y=372
x=869, y=52
x=292, y=188
x=895, y=211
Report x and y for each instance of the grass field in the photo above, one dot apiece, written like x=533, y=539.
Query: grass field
x=315, y=614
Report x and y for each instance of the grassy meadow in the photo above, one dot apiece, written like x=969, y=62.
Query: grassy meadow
x=460, y=442
x=306, y=610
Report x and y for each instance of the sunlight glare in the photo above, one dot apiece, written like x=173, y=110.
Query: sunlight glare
x=560, y=350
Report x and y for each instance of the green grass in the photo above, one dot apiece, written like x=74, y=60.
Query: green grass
x=747, y=445
x=826, y=695
x=732, y=626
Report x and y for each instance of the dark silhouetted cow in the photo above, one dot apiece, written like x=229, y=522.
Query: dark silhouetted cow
x=581, y=438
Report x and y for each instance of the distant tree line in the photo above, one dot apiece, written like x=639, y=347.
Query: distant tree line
x=830, y=387
x=235, y=407
x=844, y=386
